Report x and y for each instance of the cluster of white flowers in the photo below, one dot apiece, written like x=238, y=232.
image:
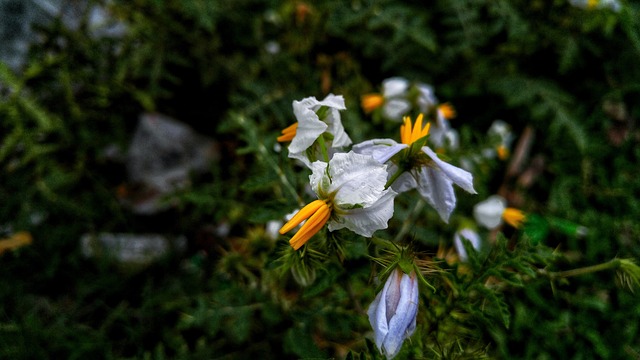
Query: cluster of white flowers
x=356, y=189
x=356, y=184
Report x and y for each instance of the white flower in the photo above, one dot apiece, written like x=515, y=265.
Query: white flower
x=394, y=91
x=426, y=98
x=491, y=212
x=395, y=86
x=393, y=312
x=438, y=131
x=468, y=234
x=351, y=194
x=311, y=126
x=488, y=213
x=432, y=177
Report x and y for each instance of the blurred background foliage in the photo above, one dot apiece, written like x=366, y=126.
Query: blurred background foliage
x=230, y=69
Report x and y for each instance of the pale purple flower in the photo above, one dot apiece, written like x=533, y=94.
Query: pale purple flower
x=393, y=312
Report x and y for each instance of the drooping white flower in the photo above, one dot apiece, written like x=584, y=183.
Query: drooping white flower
x=500, y=138
x=437, y=135
x=491, y=212
x=468, y=234
x=392, y=314
x=351, y=194
x=421, y=169
x=426, y=98
x=315, y=118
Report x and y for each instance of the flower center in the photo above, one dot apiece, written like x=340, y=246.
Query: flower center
x=288, y=133
x=317, y=213
x=409, y=134
x=371, y=102
x=447, y=111
x=513, y=217
x=503, y=152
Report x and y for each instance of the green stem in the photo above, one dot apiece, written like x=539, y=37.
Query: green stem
x=409, y=221
x=610, y=265
x=394, y=177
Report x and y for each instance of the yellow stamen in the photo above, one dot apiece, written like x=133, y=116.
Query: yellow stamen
x=17, y=240
x=409, y=134
x=447, y=111
x=288, y=133
x=311, y=227
x=405, y=130
x=514, y=217
x=370, y=102
x=591, y=4
x=304, y=213
x=503, y=152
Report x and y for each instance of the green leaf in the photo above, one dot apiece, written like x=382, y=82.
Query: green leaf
x=496, y=300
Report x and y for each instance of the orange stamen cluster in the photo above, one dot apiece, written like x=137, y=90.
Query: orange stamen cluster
x=513, y=217
x=409, y=134
x=447, y=111
x=288, y=133
x=503, y=152
x=317, y=213
x=371, y=102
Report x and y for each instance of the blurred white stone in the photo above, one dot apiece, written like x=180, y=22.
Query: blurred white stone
x=162, y=155
x=131, y=249
x=18, y=17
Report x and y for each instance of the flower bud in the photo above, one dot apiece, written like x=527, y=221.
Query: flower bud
x=393, y=312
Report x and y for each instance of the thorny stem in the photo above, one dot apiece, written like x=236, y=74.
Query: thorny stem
x=408, y=222
x=264, y=153
x=609, y=265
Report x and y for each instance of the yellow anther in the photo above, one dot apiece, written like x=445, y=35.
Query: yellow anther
x=301, y=215
x=311, y=227
x=447, y=111
x=370, y=102
x=409, y=134
x=503, y=152
x=288, y=133
x=513, y=217
x=317, y=213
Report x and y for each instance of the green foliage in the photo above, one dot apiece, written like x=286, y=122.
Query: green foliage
x=231, y=69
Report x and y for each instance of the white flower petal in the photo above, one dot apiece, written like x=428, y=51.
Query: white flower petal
x=381, y=149
x=488, y=213
x=357, y=179
x=394, y=109
x=451, y=139
x=427, y=99
x=335, y=103
x=437, y=189
x=460, y=177
x=365, y=221
x=318, y=178
x=310, y=127
x=438, y=130
x=395, y=86
x=404, y=182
